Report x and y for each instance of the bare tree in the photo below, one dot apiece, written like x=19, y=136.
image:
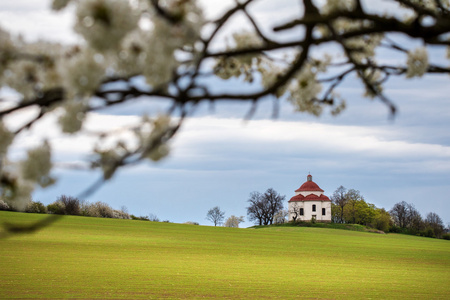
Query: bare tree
x=435, y=222
x=215, y=215
x=124, y=209
x=153, y=218
x=414, y=221
x=405, y=215
x=295, y=211
x=263, y=207
x=340, y=199
x=71, y=204
x=400, y=214
x=255, y=211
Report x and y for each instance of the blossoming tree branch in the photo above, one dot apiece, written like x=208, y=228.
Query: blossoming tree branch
x=168, y=49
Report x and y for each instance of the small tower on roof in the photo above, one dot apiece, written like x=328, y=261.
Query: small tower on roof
x=309, y=203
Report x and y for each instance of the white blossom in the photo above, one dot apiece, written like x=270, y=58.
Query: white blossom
x=82, y=73
x=6, y=138
x=3, y=205
x=59, y=4
x=270, y=73
x=246, y=40
x=160, y=62
x=74, y=114
x=303, y=91
x=360, y=47
x=152, y=137
x=37, y=166
x=363, y=47
x=235, y=66
x=15, y=191
x=338, y=108
x=159, y=153
x=332, y=6
x=227, y=67
x=18, y=197
x=165, y=38
x=190, y=20
x=6, y=50
x=104, y=23
x=22, y=76
x=131, y=56
x=33, y=76
x=417, y=62
x=233, y=221
x=372, y=83
x=108, y=161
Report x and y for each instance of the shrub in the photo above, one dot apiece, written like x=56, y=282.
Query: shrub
x=100, y=209
x=4, y=205
x=56, y=208
x=428, y=232
x=84, y=208
x=71, y=205
x=119, y=214
x=153, y=218
x=133, y=217
x=446, y=236
x=191, y=223
x=233, y=221
x=397, y=229
x=36, y=207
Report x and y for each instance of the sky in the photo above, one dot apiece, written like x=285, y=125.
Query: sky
x=218, y=158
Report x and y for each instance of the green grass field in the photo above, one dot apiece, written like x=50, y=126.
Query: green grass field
x=80, y=257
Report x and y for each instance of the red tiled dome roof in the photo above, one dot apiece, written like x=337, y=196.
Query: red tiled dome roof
x=310, y=197
x=309, y=186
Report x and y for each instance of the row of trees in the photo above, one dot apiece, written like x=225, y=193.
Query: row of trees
x=407, y=219
x=68, y=205
x=349, y=206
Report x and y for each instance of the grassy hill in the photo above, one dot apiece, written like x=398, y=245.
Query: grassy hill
x=82, y=257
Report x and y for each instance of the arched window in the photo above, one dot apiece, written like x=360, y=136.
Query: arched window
x=314, y=207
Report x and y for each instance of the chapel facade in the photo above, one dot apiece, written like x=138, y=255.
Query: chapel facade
x=309, y=203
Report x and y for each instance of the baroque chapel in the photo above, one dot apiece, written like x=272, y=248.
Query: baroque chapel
x=309, y=203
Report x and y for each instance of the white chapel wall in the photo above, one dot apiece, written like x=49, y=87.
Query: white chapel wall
x=307, y=210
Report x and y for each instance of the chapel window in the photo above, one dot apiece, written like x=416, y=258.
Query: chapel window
x=323, y=212
x=314, y=207
x=301, y=211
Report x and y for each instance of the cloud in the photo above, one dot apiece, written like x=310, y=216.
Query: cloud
x=35, y=20
x=214, y=143
x=301, y=138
